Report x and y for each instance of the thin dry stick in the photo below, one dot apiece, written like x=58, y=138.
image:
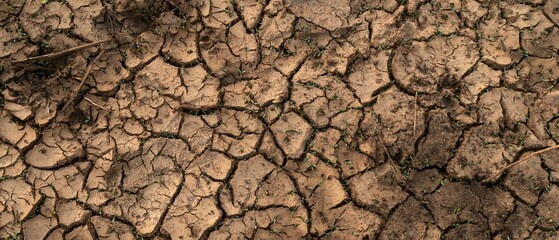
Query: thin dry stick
x=392, y=163
x=496, y=176
x=95, y=104
x=415, y=115
x=64, y=52
x=77, y=90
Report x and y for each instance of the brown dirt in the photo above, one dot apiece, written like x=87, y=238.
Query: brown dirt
x=279, y=119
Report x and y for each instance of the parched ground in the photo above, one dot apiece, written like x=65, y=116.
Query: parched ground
x=279, y=119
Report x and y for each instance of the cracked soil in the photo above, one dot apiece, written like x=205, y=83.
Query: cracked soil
x=279, y=119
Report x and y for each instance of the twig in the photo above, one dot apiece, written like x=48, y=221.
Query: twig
x=498, y=174
x=64, y=52
x=415, y=115
x=95, y=104
x=392, y=163
x=77, y=90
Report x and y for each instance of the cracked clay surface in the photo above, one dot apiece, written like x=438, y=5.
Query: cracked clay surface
x=279, y=119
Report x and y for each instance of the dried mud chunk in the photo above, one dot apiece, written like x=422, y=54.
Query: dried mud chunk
x=67, y=181
x=348, y=122
x=192, y=213
x=248, y=178
x=89, y=17
x=425, y=65
x=238, y=148
x=99, y=144
x=38, y=227
x=167, y=122
x=127, y=146
x=410, y=221
x=269, y=87
x=196, y=133
x=150, y=181
x=244, y=46
x=217, y=14
x=58, y=146
x=104, y=180
x=549, y=159
x=214, y=164
x=56, y=234
x=10, y=39
x=527, y=181
x=468, y=231
x=478, y=157
x=519, y=224
x=292, y=53
x=153, y=84
x=497, y=204
x=551, y=9
x=479, y=80
x=40, y=19
x=19, y=136
x=106, y=229
x=541, y=38
x=10, y=161
x=328, y=16
x=391, y=121
x=319, y=183
x=45, y=113
x=239, y=133
x=347, y=222
x=250, y=11
x=454, y=202
x=523, y=16
x=472, y=12
x=542, y=42
x=336, y=151
x=321, y=98
x=541, y=112
x=369, y=77
x=143, y=49
x=325, y=144
x=437, y=147
x=71, y=213
x=229, y=53
x=291, y=133
x=21, y=112
x=181, y=46
x=277, y=190
x=515, y=107
x=423, y=182
x=272, y=223
x=202, y=90
x=499, y=41
x=271, y=26
x=491, y=112
x=386, y=30
x=439, y=17
x=534, y=75
x=546, y=208
x=378, y=188
x=270, y=150
x=108, y=72
x=337, y=56
x=17, y=199
x=83, y=232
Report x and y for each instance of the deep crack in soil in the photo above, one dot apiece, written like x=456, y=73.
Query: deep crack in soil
x=279, y=119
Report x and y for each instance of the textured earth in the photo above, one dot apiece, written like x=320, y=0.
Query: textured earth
x=279, y=119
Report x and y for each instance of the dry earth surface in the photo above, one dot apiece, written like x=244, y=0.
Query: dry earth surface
x=279, y=119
